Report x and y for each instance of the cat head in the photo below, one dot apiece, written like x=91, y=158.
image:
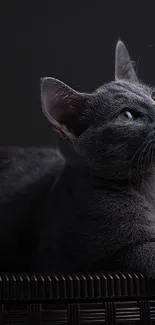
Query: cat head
x=114, y=125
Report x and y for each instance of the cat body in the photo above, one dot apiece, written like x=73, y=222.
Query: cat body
x=115, y=128
x=26, y=177
x=88, y=237
x=96, y=210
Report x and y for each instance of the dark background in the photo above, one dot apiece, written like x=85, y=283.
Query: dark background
x=73, y=41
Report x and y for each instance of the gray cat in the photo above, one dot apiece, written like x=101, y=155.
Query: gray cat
x=88, y=205
x=111, y=224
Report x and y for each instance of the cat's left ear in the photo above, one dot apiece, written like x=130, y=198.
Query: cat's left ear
x=123, y=64
x=63, y=106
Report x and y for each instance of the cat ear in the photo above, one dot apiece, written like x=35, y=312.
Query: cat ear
x=123, y=64
x=61, y=105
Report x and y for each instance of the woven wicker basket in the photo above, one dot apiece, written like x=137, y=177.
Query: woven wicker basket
x=103, y=298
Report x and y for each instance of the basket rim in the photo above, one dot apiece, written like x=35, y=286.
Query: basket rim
x=75, y=286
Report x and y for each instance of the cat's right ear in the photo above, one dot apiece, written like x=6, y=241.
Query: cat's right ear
x=123, y=65
x=62, y=105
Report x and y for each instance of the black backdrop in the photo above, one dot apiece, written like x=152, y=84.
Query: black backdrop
x=70, y=40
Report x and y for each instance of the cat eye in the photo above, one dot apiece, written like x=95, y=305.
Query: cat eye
x=127, y=115
x=153, y=96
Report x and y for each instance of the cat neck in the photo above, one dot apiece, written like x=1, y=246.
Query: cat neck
x=78, y=167
x=144, y=184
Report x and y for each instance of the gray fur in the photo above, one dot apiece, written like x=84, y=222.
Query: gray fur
x=116, y=227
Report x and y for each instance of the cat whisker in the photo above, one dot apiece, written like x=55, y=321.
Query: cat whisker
x=141, y=158
x=148, y=157
x=143, y=144
x=140, y=166
x=152, y=154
